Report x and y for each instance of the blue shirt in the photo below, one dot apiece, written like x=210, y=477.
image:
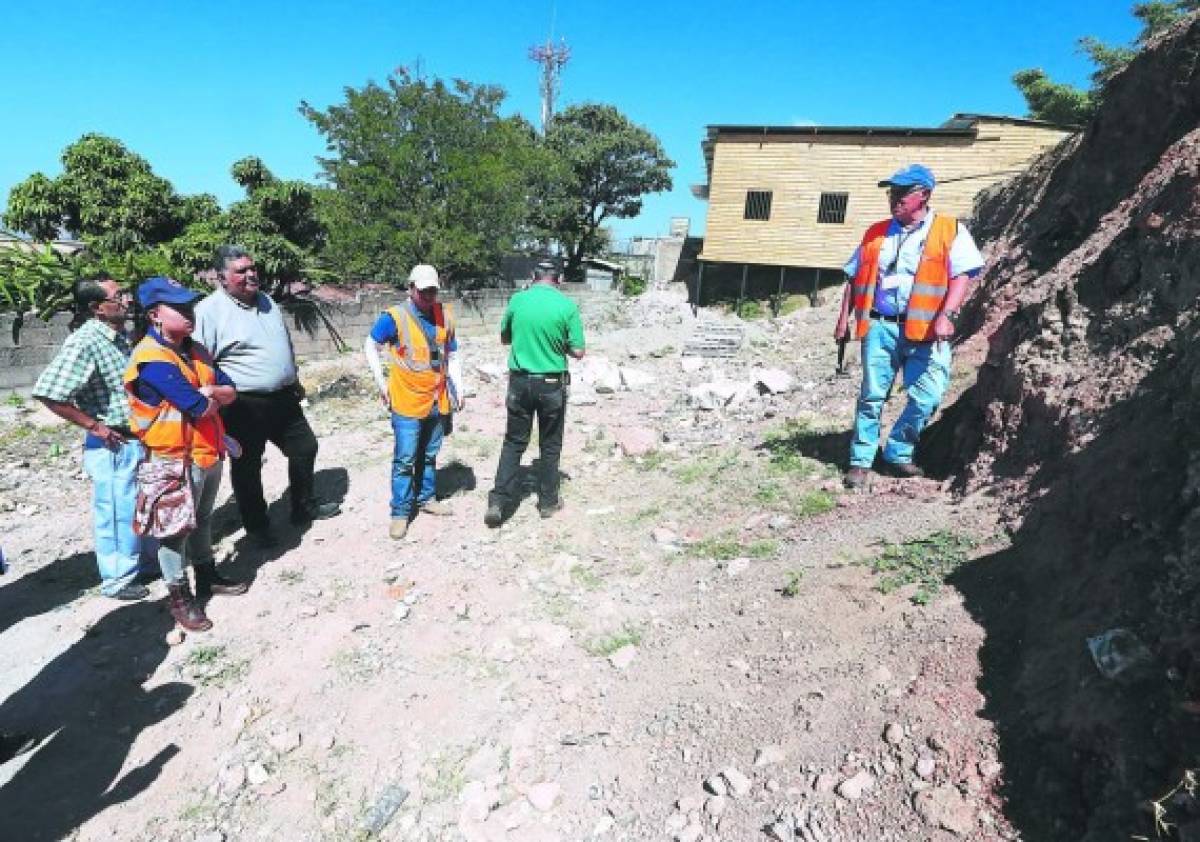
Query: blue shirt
x=159, y=381
x=385, y=331
x=896, y=272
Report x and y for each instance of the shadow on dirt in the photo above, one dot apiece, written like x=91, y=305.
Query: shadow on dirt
x=454, y=478
x=88, y=707
x=45, y=589
x=830, y=448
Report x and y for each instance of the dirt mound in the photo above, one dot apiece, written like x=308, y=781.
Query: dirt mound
x=1084, y=421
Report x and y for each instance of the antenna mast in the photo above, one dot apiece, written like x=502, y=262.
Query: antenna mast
x=551, y=57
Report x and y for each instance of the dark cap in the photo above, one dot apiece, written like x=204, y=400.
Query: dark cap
x=163, y=290
x=914, y=175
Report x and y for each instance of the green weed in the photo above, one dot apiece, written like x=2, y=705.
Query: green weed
x=648, y=513
x=585, y=578
x=791, y=587
x=212, y=666
x=652, y=461
x=762, y=548
x=602, y=647
x=814, y=503
x=925, y=562
x=716, y=547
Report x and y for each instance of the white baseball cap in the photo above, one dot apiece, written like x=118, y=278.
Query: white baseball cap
x=424, y=276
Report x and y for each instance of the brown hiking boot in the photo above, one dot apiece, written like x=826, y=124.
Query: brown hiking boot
x=184, y=608
x=856, y=478
x=210, y=582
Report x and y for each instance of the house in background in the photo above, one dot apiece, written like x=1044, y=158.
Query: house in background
x=788, y=204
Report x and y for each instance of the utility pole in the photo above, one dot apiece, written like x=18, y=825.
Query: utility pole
x=551, y=57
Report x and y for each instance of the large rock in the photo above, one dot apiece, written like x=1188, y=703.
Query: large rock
x=600, y=374
x=719, y=394
x=635, y=441
x=944, y=806
x=774, y=381
x=634, y=380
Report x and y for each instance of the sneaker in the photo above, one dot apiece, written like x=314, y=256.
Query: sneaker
x=398, y=529
x=437, y=508
x=904, y=470
x=494, y=516
x=857, y=477
x=548, y=510
x=131, y=592
x=315, y=511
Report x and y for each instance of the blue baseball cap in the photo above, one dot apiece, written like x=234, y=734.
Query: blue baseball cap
x=914, y=175
x=163, y=290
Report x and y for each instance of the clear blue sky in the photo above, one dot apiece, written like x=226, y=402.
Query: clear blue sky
x=193, y=87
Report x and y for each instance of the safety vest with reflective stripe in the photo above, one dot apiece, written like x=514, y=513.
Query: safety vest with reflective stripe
x=929, y=283
x=163, y=428
x=415, y=381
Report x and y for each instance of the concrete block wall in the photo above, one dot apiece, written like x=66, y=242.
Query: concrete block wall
x=25, y=352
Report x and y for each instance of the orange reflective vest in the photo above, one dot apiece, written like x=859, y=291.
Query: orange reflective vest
x=163, y=428
x=929, y=284
x=414, y=381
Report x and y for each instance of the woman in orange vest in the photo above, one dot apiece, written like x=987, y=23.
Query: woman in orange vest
x=175, y=393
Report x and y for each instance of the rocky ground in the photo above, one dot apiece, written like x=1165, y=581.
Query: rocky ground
x=699, y=647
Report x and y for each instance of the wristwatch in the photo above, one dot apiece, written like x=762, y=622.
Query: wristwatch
x=951, y=316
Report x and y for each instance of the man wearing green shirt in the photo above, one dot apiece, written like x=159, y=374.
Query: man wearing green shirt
x=541, y=326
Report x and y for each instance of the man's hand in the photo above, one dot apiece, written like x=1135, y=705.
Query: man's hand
x=943, y=329
x=385, y=398
x=111, y=438
x=223, y=395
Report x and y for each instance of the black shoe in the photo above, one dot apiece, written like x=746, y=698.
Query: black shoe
x=131, y=592
x=210, y=582
x=12, y=745
x=548, y=510
x=263, y=538
x=315, y=511
x=494, y=516
x=904, y=470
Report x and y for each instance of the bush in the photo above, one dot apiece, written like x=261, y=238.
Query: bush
x=632, y=285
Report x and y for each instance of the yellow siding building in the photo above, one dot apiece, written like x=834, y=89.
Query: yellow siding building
x=801, y=196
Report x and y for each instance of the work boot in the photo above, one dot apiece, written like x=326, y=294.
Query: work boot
x=437, y=508
x=209, y=582
x=315, y=511
x=494, y=515
x=184, y=608
x=904, y=470
x=398, y=529
x=856, y=478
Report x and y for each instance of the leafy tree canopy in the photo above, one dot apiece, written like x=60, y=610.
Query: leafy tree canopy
x=1058, y=102
x=422, y=172
x=603, y=165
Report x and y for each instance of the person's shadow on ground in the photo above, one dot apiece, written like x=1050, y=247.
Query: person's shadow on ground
x=87, y=707
x=454, y=478
x=49, y=587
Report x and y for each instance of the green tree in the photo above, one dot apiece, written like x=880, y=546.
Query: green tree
x=1058, y=102
x=422, y=172
x=106, y=195
x=603, y=164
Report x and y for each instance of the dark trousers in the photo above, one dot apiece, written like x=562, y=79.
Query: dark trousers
x=254, y=419
x=530, y=395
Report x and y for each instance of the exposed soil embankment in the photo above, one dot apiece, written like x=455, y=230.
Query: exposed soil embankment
x=1084, y=420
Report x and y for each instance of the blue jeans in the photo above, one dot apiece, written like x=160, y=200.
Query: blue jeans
x=926, y=367
x=414, y=460
x=196, y=546
x=114, y=496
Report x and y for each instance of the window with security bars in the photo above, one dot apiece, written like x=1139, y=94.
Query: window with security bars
x=833, y=207
x=758, y=204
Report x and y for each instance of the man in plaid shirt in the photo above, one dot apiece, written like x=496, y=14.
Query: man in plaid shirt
x=83, y=384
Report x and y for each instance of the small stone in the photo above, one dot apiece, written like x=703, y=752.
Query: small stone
x=893, y=734
x=771, y=785
x=692, y=833
x=307, y=611
x=257, y=774
x=605, y=823
x=175, y=637
x=989, y=769
x=623, y=657
x=768, y=756
x=232, y=778
x=716, y=785
x=542, y=796
x=738, y=783
x=211, y=836
x=716, y=805
x=944, y=807
x=853, y=788
x=926, y=764
x=662, y=535
x=401, y=611
x=736, y=567
x=780, y=831
x=688, y=804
